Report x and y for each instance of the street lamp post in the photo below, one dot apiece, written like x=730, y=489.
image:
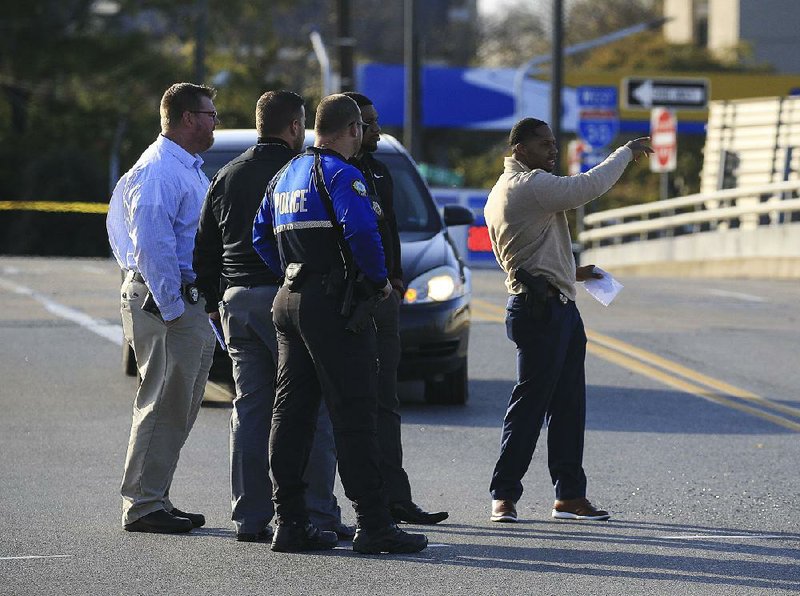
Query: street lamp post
x=557, y=72
x=534, y=65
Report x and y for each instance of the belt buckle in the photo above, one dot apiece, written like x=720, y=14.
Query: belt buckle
x=562, y=298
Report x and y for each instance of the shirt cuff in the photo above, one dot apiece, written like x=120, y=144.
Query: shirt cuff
x=172, y=311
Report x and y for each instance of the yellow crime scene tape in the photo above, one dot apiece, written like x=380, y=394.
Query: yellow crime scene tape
x=54, y=206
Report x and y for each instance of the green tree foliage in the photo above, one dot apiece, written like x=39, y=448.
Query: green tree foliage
x=527, y=34
x=512, y=37
x=68, y=85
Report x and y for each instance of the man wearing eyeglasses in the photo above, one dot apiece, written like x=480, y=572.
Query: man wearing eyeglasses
x=387, y=322
x=316, y=227
x=152, y=219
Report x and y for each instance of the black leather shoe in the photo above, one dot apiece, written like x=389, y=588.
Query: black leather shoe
x=198, y=519
x=411, y=513
x=293, y=537
x=264, y=535
x=160, y=522
x=389, y=539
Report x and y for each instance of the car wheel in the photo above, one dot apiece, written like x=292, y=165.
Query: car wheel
x=451, y=389
x=128, y=360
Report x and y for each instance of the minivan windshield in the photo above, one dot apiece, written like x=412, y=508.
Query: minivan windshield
x=417, y=218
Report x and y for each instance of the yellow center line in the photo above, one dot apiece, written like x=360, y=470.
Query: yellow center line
x=639, y=361
x=688, y=373
x=655, y=374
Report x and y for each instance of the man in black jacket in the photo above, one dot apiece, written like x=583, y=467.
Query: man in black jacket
x=230, y=273
x=387, y=314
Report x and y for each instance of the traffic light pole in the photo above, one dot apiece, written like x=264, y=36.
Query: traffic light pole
x=412, y=119
x=345, y=43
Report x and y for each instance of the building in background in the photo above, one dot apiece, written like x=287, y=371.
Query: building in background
x=768, y=27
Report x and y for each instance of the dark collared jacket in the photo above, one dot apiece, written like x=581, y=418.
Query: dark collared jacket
x=223, y=249
x=381, y=190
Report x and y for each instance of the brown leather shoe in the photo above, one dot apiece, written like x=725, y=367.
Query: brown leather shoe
x=504, y=510
x=580, y=509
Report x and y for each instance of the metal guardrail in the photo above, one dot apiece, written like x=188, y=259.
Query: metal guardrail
x=718, y=210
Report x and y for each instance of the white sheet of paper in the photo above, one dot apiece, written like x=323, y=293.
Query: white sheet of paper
x=603, y=290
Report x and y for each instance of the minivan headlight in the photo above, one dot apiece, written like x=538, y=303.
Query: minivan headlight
x=437, y=285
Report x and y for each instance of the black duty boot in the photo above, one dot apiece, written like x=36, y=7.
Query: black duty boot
x=389, y=539
x=293, y=537
x=410, y=512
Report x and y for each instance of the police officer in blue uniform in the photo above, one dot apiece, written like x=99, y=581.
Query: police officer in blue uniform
x=316, y=226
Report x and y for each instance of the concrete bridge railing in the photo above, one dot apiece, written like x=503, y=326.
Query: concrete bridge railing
x=739, y=232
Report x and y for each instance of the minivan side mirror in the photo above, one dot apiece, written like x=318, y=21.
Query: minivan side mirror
x=456, y=215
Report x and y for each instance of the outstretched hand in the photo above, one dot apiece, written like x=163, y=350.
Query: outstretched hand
x=639, y=147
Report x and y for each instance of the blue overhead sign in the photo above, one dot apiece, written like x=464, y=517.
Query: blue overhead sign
x=466, y=98
x=598, y=117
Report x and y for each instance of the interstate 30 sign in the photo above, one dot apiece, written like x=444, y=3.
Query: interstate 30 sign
x=598, y=119
x=641, y=93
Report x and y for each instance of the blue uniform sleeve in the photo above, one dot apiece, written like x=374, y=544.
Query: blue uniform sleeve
x=353, y=210
x=264, y=241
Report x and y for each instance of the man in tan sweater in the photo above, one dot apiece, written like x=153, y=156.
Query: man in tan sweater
x=527, y=221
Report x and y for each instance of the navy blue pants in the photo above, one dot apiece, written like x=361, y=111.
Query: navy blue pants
x=550, y=385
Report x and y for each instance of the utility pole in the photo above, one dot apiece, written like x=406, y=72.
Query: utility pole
x=201, y=33
x=412, y=121
x=557, y=74
x=346, y=43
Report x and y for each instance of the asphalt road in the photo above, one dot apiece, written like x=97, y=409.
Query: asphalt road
x=692, y=442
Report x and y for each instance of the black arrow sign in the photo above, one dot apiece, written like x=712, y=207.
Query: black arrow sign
x=680, y=94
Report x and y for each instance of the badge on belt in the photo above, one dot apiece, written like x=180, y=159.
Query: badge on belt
x=191, y=293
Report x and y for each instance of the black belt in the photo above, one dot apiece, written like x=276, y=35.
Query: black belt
x=553, y=292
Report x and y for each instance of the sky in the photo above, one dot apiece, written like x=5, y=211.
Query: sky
x=488, y=6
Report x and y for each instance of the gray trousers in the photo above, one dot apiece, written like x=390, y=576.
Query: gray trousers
x=173, y=363
x=387, y=324
x=250, y=335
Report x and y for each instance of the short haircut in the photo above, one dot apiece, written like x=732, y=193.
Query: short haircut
x=524, y=130
x=276, y=110
x=360, y=99
x=335, y=113
x=179, y=98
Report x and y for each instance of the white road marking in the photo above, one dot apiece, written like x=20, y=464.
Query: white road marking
x=28, y=557
x=94, y=269
x=110, y=331
x=723, y=537
x=736, y=295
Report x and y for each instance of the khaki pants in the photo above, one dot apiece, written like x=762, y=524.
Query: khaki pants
x=173, y=362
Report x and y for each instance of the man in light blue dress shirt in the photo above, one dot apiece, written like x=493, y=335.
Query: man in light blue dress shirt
x=152, y=220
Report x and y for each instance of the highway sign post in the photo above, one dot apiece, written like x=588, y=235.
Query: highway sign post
x=598, y=119
x=680, y=94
